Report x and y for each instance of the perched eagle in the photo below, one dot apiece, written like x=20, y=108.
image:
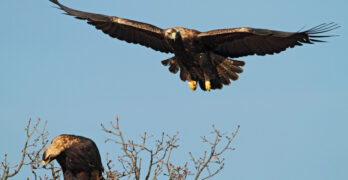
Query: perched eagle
x=78, y=157
x=202, y=57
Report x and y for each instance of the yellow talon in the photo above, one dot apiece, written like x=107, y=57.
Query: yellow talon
x=193, y=85
x=207, y=85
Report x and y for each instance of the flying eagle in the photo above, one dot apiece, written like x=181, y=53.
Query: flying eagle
x=78, y=157
x=202, y=57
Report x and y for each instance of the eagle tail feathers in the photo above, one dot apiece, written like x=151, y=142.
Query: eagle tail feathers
x=227, y=68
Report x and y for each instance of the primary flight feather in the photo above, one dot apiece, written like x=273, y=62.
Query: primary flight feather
x=202, y=57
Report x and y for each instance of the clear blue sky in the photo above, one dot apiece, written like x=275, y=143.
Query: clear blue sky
x=292, y=107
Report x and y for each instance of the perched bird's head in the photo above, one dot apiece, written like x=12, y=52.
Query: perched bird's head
x=78, y=157
x=173, y=34
x=57, y=147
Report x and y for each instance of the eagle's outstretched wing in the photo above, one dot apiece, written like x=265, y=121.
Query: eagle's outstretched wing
x=123, y=29
x=239, y=42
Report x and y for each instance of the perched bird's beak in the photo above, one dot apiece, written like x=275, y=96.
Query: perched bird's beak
x=45, y=159
x=45, y=162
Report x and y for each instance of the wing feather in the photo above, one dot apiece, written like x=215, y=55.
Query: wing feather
x=239, y=42
x=123, y=29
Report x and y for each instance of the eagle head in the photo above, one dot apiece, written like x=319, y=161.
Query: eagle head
x=172, y=34
x=57, y=147
x=46, y=158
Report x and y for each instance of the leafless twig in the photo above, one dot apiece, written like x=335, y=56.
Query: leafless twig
x=131, y=161
x=158, y=157
x=34, y=145
x=160, y=154
x=213, y=157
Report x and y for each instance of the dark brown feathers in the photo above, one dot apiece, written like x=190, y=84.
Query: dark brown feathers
x=239, y=42
x=202, y=57
x=123, y=29
x=78, y=157
x=172, y=63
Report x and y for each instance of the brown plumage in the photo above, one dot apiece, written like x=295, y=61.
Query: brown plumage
x=202, y=57
x=78, y=157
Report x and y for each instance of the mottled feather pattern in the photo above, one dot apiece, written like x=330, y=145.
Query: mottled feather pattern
x=202, y=57
x=226, y=69
x=78, y=157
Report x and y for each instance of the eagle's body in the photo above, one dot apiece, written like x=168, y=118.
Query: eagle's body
x=202, y=57
x=78, y=157
x=196, y=62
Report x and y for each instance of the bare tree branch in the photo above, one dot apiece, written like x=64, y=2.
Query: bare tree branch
x=203, y=163
x=160, y=155
x=157, y=153
x=34, y=145
x=131, y=160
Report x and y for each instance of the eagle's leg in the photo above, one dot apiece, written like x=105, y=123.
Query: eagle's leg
x=192, y=77
x=184, y=73
x=207, y=83
x=205, y=64
x=192, y=84
x=188, y=74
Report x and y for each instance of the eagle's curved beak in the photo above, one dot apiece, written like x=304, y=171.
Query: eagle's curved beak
x=44, y=163
x=173, y=36
x=45, y=159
